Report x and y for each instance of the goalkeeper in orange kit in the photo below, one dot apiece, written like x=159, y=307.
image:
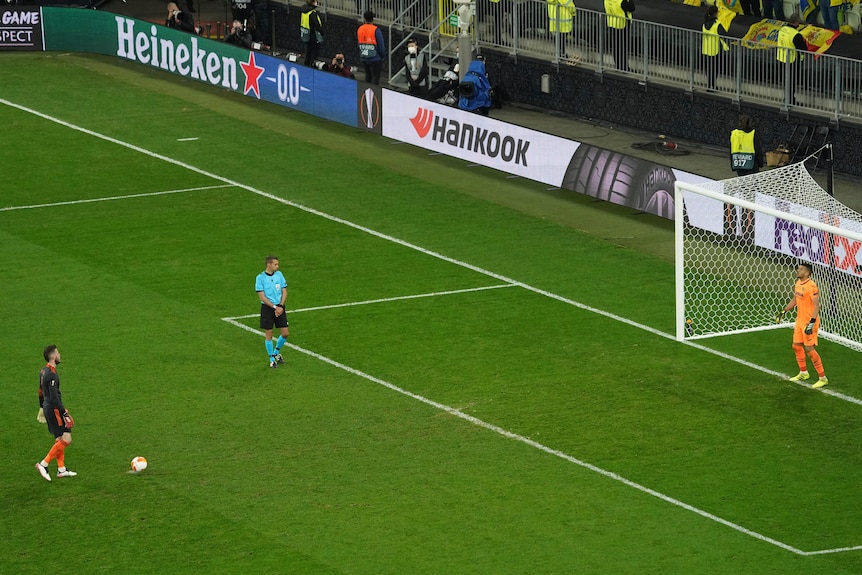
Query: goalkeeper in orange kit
x=806, y=300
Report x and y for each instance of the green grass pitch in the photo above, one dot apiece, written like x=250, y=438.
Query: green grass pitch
x=319, y=469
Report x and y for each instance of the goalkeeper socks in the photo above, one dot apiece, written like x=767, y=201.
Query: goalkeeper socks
x=270, y=350
x=800, y=357
x=61, y=455
x=54, y=453
x=818, y=363
x=279, y=343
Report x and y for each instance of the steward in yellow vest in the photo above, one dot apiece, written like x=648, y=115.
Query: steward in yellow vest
x=745, y=154
x=560, y=13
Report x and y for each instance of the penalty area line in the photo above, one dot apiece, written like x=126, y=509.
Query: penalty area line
x=411, y=246
x=383, y=300
x=527, y=441
x=112, y=198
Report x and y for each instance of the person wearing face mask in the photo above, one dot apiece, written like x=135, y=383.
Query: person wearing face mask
x=416, y=68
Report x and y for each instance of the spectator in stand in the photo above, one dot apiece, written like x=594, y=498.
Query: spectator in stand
x=239, y=36
x=337, y=66
x=829, y=10
x=774, y=9
x=475, y=90
x=415, y=68
x=179, y=20
x=750, y=7
x=618, y=13
x=371, y=48
x=311, y=31
x=791, y=49
x=712, y=46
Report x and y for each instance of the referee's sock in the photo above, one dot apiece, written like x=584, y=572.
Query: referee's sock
x=279, y=343
x=270, y=349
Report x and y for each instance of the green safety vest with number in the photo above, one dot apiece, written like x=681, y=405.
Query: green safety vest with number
x=305, y=26
x=742, y=150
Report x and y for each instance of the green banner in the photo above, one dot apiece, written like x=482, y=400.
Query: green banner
x=173, y=51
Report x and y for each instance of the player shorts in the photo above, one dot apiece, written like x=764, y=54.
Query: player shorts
x=799, y=335
x=268, y=319
x=56, y=423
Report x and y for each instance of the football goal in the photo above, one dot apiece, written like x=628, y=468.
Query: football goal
x=739, y=241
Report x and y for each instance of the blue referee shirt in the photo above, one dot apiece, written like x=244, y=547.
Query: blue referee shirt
x=270, y=285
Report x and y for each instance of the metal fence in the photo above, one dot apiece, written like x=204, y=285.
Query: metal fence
x=648, y=51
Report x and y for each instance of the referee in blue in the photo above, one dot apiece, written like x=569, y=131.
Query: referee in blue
x=271, y=288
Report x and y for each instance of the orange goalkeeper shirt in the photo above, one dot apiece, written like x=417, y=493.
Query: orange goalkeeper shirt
x=806, y=291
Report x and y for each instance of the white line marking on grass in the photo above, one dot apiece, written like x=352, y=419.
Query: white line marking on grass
x=526, y=440
x=384, y=300
x=837, y=550
x=415, y=247
x=111, y=198
x=186, y=139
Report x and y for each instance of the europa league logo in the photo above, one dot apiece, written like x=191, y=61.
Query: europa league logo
x=369, y=110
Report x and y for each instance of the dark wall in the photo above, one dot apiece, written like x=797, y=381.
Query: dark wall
x=661, y=109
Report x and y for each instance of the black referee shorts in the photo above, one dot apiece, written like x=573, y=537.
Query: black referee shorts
x=56, y=423
x=268, y=319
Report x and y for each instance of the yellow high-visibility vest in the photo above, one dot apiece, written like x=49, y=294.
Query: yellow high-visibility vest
x=712, y=41
x=742, y=150
x=560, y=12
x=786, y=51
x=616, y=16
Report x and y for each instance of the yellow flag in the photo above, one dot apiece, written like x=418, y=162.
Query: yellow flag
x=725, y=16
x=732, y=5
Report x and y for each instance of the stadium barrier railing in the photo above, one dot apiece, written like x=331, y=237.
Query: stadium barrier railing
x=748, y=72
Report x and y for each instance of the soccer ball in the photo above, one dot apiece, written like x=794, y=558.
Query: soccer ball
x=139, y=464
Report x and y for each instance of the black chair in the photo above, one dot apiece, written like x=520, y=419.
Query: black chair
x=819, y=138
x=798, y=143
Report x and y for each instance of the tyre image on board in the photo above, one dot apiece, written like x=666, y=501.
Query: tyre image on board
x=621, y=179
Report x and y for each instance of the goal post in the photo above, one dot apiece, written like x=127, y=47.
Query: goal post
x=739, y=241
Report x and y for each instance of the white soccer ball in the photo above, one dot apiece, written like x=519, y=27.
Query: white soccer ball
x=139, y=464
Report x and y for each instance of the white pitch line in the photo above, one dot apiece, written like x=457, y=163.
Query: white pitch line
x=111, y=198
x=836, y=550
x=186, y=139
x=526, y=440
x=384, y=300
x=411, y=246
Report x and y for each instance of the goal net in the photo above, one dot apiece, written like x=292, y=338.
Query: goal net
x=739, y=241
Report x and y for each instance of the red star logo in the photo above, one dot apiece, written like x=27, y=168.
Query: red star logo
x=252, y=75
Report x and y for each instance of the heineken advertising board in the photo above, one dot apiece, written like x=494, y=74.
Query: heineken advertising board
x=254, y=74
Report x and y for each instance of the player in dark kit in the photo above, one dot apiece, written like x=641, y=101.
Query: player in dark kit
x=59, y=421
